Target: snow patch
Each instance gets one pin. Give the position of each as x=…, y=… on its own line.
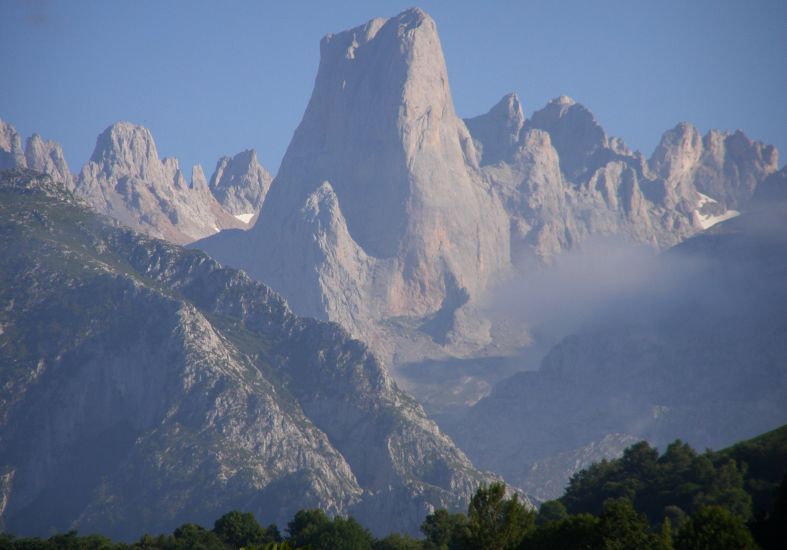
x=245, y=218
x=707, y=221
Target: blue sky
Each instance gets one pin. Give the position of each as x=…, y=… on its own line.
x=213, y=78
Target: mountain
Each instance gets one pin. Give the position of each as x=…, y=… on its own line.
x=126, y=180
x=142, y=385
x=12, y=155
x=395, y=218
x=697, y=352
x=39, y=155
x=563, y=179
x=360, y=223
x=240, y=184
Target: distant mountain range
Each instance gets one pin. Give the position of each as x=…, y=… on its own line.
x=126, y=180
x=396, y=219
x=390, y=213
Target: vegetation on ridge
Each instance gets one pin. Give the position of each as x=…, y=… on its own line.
x=679, y=500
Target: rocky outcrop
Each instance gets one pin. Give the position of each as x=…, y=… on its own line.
x=726, y=167
x=126, y=180
x=496, y=134
x=579, y=140
x=546, y=479
x=381, y=129
x=47, y=156
x=563, y=179
x=240, y=184
x=11, y=153
x=134, y=371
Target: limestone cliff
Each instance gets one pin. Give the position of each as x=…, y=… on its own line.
x=135, y=371
x=240, y=184
x=403, y=178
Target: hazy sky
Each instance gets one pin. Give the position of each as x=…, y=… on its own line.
x=213, y=78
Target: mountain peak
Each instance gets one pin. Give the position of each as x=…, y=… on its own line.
x=563, y=100
x=678, y=152
x=240, y=184
x=381, y=127
x=383, y=83
x=47, y=156
x=198, y=180
x=496, y=133
x=11, y=153
x=578, y=138
x=126, y=147
x=406, y=25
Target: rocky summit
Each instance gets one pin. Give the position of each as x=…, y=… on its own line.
x=126, y=177
x=240, y=184
x=126, y=180
x=143, y=386
x=562, y=179
x=395, y=218
x=361, y=221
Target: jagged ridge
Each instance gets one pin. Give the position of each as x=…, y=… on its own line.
x=135, y=371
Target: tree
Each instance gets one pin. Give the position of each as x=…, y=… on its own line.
x=444, y=531
x=396, y=541
x=194, y=537
x=577, y=532
x=306, y=522
x=622, y=527
x=551, y=510
x=665, y=535
x=314, y=528
x=726, y=490
x=712, y=528
x=241, y=529
x=770, y=529
x=494, y=522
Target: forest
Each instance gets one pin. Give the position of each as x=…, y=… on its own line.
x=680, y=499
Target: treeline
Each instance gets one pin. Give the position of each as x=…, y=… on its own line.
x=682, y=500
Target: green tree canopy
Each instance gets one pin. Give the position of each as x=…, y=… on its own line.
x=241, y=529
x=314, y=528
x=494, y=522
x=444, y=531
x=713, y=528
x=551, y=510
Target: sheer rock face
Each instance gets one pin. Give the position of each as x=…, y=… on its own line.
x=47, y=156
x=126, y=180
x=133, y=370
x=240, y=184
x=381, y=129
x=319, y=253
x=11, y=153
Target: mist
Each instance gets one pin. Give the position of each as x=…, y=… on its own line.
x=605, y=280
